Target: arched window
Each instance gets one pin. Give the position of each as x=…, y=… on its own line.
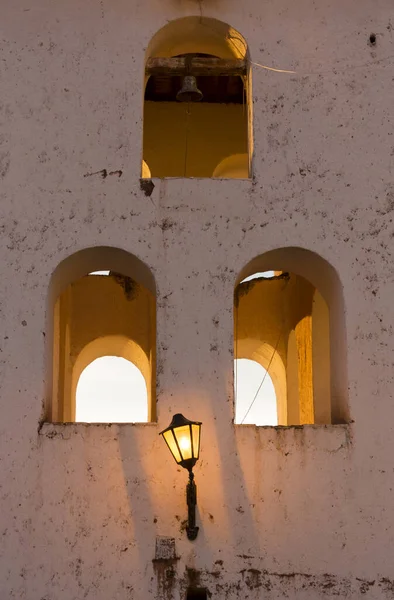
x=102, y=302
x=255, y=396
x=111, y=388
x=289, y=317
x=197, y=109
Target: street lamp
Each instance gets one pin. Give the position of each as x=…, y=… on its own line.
x=183, y=439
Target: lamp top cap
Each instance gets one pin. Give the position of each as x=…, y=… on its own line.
x=179, y=420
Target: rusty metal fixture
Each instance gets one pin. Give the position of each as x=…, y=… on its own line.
x=189, y=91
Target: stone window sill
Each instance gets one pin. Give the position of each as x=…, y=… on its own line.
x=53, y=430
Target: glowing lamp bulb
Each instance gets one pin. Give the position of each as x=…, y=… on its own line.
x=184, y=444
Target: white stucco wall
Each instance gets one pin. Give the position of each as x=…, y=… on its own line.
x=301, y=513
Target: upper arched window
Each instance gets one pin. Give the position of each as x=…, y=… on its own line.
x=102, y=304
x=197, y=110
x=289, y=318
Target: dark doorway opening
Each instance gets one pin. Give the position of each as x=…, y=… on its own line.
x=196, y=594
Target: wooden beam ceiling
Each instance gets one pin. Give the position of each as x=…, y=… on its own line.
x=196, y=66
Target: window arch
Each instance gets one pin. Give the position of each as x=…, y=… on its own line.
x=297, y=315
x=232, y=167
x=112, y=313
x=111, y=388
x=191, y=134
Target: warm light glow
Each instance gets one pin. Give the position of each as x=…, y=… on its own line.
x=196, y=440
x=184, y=444
x=183, y=437
x=169, y=438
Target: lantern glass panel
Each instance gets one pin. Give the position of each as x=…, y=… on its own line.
x=196, y=440
x=170, y=439
x=183, y=436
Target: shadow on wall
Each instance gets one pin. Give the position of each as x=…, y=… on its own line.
x=193, y=133
x=293, y=324
x=89, y=317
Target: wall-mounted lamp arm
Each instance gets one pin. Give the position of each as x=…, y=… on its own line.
x=191, y=499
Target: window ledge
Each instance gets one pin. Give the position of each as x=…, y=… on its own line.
x=66, y=430
x=185, y=178
x=302, y=427
x=322, y=438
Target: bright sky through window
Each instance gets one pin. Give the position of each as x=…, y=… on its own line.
x=99, y=273
x=111, y=390
x=248, y=375
x=265, y=275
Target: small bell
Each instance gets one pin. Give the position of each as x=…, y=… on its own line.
x=189, y=91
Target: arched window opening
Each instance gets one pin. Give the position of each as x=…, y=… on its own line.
x=255, y=397
x=111, y=389
x=102, y=302
x=291, y=323
x=197, y=108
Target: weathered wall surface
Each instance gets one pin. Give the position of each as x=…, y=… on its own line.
x=299, y=513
